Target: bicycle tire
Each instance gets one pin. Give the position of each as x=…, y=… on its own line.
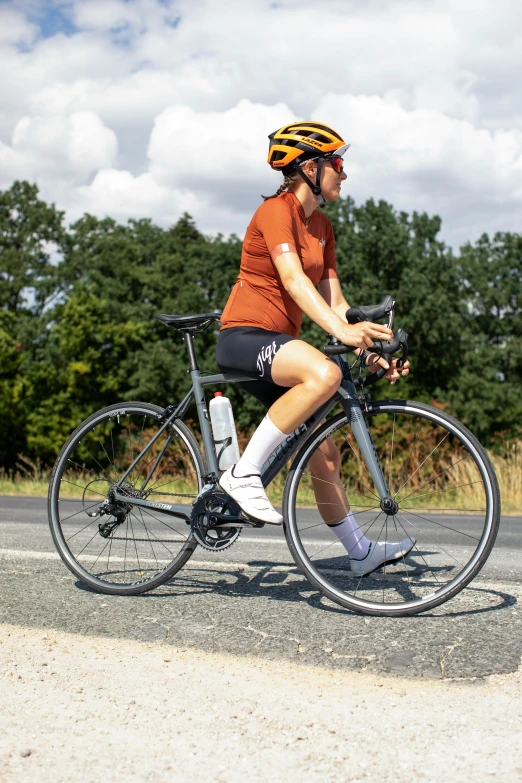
x=56, y=496
x=457, y=435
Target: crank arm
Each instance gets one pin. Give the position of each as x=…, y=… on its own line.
x=239, y=523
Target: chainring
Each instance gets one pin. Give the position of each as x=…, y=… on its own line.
x=210, y=507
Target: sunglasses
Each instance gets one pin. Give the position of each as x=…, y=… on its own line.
x=337, y=164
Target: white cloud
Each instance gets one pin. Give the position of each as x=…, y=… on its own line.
x=425, y=160
x=152, y=107
x=15, y=28
x=203, y=150
x=65, y=147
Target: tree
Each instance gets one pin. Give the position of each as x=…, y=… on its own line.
x=78, y=305
x=30, y=231
x=486, y=393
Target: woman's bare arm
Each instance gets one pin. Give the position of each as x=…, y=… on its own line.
x=311, y=302
x=330, y=290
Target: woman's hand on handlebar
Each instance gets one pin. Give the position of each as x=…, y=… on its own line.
x=363, y=334
x=393, y=371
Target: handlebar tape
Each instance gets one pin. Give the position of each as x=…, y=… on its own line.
x=371, y=312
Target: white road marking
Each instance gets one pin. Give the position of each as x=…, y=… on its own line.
x=30, y=554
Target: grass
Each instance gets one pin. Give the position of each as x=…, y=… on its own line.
x=30, y=480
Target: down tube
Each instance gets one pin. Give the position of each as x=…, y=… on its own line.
x=362, y=435
x=286, y=450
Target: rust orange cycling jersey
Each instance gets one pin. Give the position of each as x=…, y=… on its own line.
x=258, y=297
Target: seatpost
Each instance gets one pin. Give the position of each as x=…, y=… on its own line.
x=189, y=345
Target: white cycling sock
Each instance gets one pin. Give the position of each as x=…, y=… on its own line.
x=351, y=537
x=261, y=445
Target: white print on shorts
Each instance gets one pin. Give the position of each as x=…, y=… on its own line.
x=266, y=354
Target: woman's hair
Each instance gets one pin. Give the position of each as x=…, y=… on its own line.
x=290, y=180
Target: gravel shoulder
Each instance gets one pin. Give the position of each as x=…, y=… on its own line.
x=81, y=708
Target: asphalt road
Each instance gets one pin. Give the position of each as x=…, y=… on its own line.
x=252, y=600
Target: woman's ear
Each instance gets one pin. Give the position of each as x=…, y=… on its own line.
x=310, y=167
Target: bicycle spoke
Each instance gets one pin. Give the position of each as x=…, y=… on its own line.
x=407, y=459
x=325, y=524
x=162, y=522
x=447, y=527
x=82, y=467
x=135, y=546
x=96, y=533
x=108, y=558
x=363, y=575
x=340, y=539
x=105, y=452
x=422, y=463
x=419, y=552
x=86, y=508
x=434, y=477
x=148, y=536
x=324, y=481
x=96, y=461
x=158, y=540
x=447, y=489
x=89, y=523
x=151, y=541
x=433, y=542
x=85, y=489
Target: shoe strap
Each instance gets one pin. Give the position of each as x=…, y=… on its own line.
x=248, y=475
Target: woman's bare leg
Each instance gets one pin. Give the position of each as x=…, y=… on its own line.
x=328, y=488
x=313, y=379
x=332, y=502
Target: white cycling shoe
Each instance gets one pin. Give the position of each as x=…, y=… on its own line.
x=381, y=553
x=249, y=493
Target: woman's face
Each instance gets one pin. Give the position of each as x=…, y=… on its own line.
x=331, y=182
x=330, y=179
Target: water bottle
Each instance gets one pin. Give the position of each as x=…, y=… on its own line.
x=224, y=431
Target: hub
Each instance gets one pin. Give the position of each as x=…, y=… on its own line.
x=389, y=506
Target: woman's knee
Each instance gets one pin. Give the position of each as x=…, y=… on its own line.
x=326, y=377
x=297, y=362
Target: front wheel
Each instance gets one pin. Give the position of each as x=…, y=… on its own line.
x=447, y=499
x=123, y=548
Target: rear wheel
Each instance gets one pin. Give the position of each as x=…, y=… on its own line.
x=115, y=547
x=447, y=497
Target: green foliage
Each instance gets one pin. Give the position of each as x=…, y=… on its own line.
x=78, y=305
x=487, y=391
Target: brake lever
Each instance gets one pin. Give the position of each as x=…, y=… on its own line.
x=404, y=346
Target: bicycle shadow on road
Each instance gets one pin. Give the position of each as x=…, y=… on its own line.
x=267, y=580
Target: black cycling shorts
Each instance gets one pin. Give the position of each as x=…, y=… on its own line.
x=249, y=350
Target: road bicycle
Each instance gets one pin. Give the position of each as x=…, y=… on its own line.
x=133, y=492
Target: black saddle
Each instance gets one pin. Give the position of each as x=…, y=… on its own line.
x=189, y=323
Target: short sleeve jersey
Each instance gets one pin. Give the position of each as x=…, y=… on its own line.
x=258, y=297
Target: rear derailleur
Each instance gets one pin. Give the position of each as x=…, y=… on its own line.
x=117, y=510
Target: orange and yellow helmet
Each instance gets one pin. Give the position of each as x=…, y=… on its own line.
x=293, y=144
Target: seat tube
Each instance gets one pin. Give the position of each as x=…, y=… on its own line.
x=362, y=435
x=199, y=396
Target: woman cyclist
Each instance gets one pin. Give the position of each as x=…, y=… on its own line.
x=288, y=268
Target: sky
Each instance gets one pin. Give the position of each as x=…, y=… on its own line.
x=152, y=108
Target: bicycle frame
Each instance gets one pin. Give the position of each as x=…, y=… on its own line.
x=346, y=394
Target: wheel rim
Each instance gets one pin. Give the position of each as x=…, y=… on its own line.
x=127, y=545
x=454, y=526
